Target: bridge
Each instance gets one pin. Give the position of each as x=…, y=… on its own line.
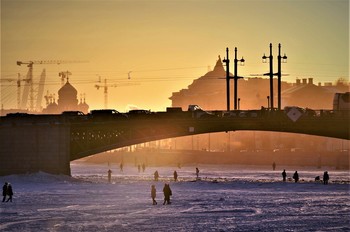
x=31, y=143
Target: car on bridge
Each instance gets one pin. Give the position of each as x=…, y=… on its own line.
x=138, y=113
x=18, y=114
x=73, y=113
x=198, y=112
x=106, y=114
x=74, y=116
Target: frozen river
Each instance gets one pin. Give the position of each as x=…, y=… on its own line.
x=227, y=198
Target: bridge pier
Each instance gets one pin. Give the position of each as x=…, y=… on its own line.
x=33, y=147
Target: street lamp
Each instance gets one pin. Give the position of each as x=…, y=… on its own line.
x=227, y=62
x=270, y=74
x=284, y=58
x=280, y=60
x=242, y=61
x=264, y=58
x=236, y=77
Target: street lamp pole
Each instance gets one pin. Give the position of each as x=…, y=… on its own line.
x=227, y=62
x=236, y=77
x=280, y=59
x=270, y=74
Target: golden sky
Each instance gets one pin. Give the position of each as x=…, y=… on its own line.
x=166, y=44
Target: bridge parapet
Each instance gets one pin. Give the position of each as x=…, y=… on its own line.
x=48, y=143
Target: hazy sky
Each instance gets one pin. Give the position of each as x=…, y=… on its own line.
x=166, y=44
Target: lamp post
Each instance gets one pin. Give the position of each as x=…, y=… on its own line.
x=227, y=62
x=280, y=60
x=264, y=60
x=236, y=77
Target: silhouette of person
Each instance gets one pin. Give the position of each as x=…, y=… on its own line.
x=296, y=176
x=139, y=167
x=156, y=175
x=109, y=175
x=153, y=194
x=121, y=166
x=175, y=175
x=9, y=192
x=143, y=167
x=167, y=193
x=4, y=192
x=273, y=166
x=325, y=177
x=197, y=173
x=284, y=174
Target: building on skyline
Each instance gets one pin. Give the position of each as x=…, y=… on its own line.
x=67, y=101
x=209, y=92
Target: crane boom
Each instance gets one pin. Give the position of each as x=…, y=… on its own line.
x=30, y=63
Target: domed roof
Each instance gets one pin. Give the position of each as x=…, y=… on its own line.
x=83, y=104
x=67, y=89
x=83, y=107
x=218, y=71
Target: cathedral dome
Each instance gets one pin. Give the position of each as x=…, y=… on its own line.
x=67, y=89
x=83, y=107
x=67, y=98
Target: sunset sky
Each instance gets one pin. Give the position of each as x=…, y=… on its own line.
x=167, y=44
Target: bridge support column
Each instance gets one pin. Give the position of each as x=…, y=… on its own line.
x=33, y=148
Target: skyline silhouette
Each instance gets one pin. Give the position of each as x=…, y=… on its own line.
x=164, y=46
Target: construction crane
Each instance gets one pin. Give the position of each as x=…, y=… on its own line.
x=105, y=88
x=18, y=84
x=29, y=89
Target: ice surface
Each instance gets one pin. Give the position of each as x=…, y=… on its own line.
x=226, y=198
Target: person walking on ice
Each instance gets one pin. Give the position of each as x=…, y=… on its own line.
x=4, y=192
x=167, y=193
x=153, y=194
x=156, y=175
x=197, y=173
x=273, y=166
x=9, y=192
x=296, y=176
x=109, y=175
x=284, y=175
x=121, y=166
x=325, y=177
x=175, y=175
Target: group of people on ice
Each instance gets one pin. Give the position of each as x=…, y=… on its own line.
x=166, y=189
x=156, y=175
x=296, y=177
x=167, y=193
x=7, y=191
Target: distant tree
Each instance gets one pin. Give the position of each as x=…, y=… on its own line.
x=341, y=82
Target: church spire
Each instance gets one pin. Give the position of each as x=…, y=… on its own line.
x=218, y=65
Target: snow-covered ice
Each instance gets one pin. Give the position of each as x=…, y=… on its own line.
x=226, y=198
